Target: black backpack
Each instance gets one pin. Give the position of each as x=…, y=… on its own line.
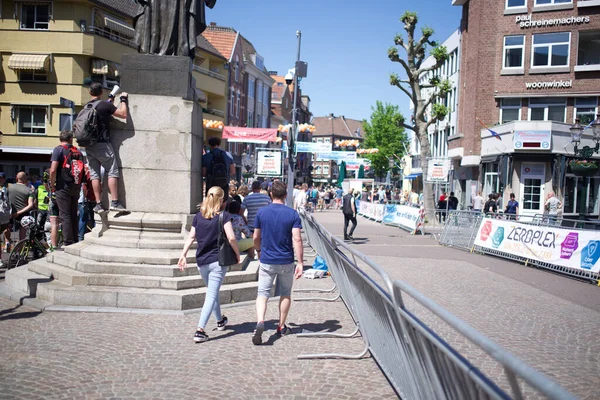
x=85, y=127
x=218, y=170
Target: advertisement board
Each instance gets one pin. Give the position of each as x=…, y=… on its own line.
x=532, y=140
x=268, y=163
x=354, y=165
x=437, y=170
x=310, y=147
x=337, y=156
x=568, y=248
x=406, y=217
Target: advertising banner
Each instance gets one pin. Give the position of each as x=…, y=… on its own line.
x=532, y=140
x=249, y=135
x=268, y=163
x=558, y=246
x=406, y=217
x=337, y=156
x=310, y=147
x=354, y=165
x=438, y=169
x=372, y=211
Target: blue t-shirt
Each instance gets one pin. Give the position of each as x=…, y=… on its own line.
x=511, y=207
x=339, y=193
x=207, y=234
x=276, y=222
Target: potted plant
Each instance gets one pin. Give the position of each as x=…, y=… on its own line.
x=583, y=167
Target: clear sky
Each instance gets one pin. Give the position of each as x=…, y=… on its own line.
x=344, y=42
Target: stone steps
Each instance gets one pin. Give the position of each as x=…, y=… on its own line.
x=74, y=277
x=126, y=255
x=131, y=241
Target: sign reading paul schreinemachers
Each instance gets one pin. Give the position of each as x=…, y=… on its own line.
x=526, y=21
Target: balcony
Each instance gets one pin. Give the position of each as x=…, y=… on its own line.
x=588, y=56
x=209, y=81
x=105, y=33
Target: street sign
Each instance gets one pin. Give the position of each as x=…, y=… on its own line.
x=67, y=103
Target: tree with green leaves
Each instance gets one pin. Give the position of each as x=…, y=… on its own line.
x=385, y=132
x=427, y=109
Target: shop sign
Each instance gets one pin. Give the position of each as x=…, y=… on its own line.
x=557, y=246
x=533, y=170
x=549, y=85
x=532, y=140
x=437, y=169
x=268, y=163
x=526, y=21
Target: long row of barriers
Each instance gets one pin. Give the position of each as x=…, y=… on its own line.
x=569, y=247
x=416, y=360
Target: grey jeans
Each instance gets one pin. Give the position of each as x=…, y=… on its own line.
x=213, y=275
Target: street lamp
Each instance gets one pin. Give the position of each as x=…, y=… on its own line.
x=576, y=133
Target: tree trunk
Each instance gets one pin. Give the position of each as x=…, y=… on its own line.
x=428, y=200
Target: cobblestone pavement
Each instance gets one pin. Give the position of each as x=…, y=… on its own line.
x=549, y=321
x=55, y=355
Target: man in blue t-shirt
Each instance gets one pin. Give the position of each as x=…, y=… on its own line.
x=276, y=238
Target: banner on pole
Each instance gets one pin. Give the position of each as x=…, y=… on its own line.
x=336, y=156
x=268, y=163
x=576, y=249
x=310, y=147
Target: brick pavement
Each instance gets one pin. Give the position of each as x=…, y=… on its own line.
x=54, y=355
x=549, y=321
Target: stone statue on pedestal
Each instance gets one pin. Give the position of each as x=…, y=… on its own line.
x=169, y=27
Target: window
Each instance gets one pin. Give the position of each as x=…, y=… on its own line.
x=265, y=122
x=581, y=195
x=237, y=68
x=551, y=49
x=30, y=75
x=327, y=140
x=260, y=62
x=65, y=122
x=589, y=48
x=585, y=109
x=231, y=102
x=258, y=119
x=266, y=94
x=237, y=104
x=259, y=92
x=251, y=83
x=544, y=2
x=35, y=16
x=250, y=122
x=547, y=109
x=532, y=194
x=492, y=181
x=31, y=120
x=326, y=170
x=515, y=3
x=513, y=51
x=106, y=81
x=510, y=110
x=318, y=170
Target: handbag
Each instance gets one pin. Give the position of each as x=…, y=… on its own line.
x=227, y=256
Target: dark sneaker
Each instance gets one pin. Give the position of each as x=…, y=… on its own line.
x=99, y=209
x=350, y=237
x=257, y=337
x=117, y=206
x=200, y=337
x=283, y=330
x=222, y=324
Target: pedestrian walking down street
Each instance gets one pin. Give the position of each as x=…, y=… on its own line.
x=512, y=207
x=205, y=230
x=277, y=238
x=349, y=211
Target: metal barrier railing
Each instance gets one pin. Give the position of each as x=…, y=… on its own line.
x=418, y=363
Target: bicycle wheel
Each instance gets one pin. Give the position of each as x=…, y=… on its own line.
x=20, y=254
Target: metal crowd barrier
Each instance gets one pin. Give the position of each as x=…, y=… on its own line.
x=418, y=363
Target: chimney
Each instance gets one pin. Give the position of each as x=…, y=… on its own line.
x=213, y=24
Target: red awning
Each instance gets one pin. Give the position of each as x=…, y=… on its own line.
x=249, y=135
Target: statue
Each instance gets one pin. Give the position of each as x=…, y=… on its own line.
x=169, y=27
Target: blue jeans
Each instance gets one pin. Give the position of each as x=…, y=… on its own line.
x=213, y=275
x=82, y=220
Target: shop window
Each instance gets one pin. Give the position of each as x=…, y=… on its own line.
x=31, y=120
x=30, y=75
x=581, y=195
x=510, y=110
x=589, y=48
x=586, y=109
x=547, y=109
x=35, y=16
x=551, y=49
x=514, y=46
x=515, y=3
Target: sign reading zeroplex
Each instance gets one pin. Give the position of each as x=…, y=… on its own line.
x=268, y=163
x=438, y=169
x=558, y=246
x=310, y=147
x=337, y=156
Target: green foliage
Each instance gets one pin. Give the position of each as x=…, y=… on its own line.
x=394, y=79
x=393, y=53
x=409, y=17
x=427, y=31
x=439, y=111
x=440, y=53
x=444, y=87
x=384, y=131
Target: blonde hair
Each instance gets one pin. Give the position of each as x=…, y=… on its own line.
x=212, y=203
x=243, y=190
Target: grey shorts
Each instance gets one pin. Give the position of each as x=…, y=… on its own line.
x=267, y=274
x=100, y=155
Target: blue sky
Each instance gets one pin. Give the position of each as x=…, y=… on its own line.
x=345, y=43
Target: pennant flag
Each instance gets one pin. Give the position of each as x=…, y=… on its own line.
x=494, y=134
x=588, y=126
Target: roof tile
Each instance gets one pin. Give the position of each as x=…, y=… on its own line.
x=221, y=38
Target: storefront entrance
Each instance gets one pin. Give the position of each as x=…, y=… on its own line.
x=532, y=188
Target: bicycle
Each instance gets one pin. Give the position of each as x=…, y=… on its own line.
x=29, y=249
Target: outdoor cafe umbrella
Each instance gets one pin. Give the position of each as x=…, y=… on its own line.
x=361, y=172
x=342, y=174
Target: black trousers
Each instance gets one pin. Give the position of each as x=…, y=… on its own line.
x=349, y=218
x=66, y=200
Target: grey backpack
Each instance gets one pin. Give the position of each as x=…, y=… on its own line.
x=85, y=127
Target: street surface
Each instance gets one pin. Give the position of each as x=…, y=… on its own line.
x=549, y=321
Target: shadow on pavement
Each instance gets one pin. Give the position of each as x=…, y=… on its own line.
x=11, y=313
x=331, y=325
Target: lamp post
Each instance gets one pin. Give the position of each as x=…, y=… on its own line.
x=576, y=133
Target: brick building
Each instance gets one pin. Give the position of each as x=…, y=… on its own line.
x=528, y=68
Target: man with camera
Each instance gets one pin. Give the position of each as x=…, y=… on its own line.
x=101, y=154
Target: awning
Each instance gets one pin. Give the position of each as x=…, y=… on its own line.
x=249, y=135
x=119, y=26
x=104, y=67
x=413, y=176
x=37, y=62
